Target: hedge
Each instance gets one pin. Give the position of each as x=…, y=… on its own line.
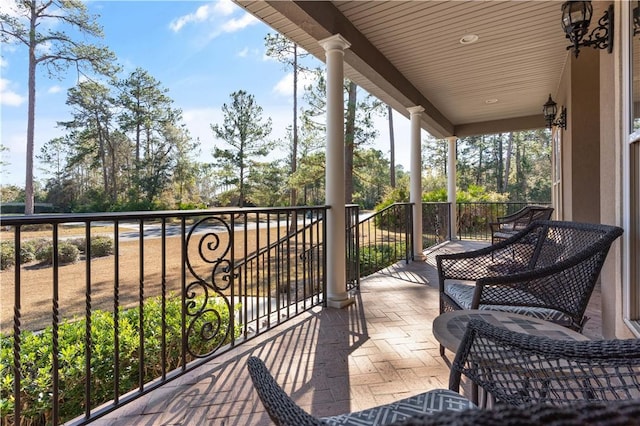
x=37, y=352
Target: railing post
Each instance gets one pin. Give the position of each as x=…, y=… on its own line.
x=409, y=239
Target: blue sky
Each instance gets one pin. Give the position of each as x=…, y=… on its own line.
x=200, y=51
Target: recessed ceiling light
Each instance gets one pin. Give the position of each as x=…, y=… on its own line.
x=468, y=39
x=491, y=101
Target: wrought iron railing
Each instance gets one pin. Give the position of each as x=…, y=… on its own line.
x=352, y=236
x=436, y=223
x=385, y=237
x=107, y=307
x=170, y=291
x=473, y=218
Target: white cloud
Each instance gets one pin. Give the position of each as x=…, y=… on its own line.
x=3, y=63
x=203, y=13
x=8, y=96
x=284, y=87
x=225, y=7
x=218, y=13
x=9, y=7
x=54, y=89
x=233, y=25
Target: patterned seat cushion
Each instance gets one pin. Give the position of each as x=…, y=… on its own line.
x=462, y=294
x=425, y=403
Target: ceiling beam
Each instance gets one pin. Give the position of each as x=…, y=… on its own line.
x=500, y=126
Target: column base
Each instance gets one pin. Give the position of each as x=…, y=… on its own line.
x=340, y=303
x=420, y=257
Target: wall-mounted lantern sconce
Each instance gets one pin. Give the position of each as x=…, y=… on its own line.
x=550, y=110
x=576, y=17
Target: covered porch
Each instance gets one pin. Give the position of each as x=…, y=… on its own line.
x=379, y=349
x=464, y=68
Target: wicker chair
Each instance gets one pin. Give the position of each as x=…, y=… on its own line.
x=514, y=368
x=507, y=226
x=283, y=411
x=618, y=413
x=548, y=270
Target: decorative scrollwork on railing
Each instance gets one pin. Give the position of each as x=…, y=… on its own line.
x=209, y=319
x=209, y=311
x=212, y=237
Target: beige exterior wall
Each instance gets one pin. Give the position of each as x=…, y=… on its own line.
x=592, y=161
x=580, y=93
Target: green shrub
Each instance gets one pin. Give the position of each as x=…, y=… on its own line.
x=191, y=206
x=376, y=257
x=7, y=255
x=101, y=246
x=67, y=253
x=29, y=248
x=36, y=357
x=44, y=253
x=79, y=243
x=27, y=254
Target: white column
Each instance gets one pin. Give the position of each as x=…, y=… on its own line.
x=415, y=179
x=451, y=184
x=337, y=296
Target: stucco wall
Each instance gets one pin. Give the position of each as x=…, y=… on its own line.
x=592, y=163
x=579, y=91
x=584, y=112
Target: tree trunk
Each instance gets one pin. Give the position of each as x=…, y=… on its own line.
x=294, y=149
x=114, y=173
x=480, y=161
x=392, y=150
x=31, y=115
x=507, y=163
x=500, y=173
x=348, y=143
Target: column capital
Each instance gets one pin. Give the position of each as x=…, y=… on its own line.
x=334, y=42
x=452, y=138
x=415, y=110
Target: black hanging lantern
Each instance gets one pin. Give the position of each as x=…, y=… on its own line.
x=576, y=18
x=550, y=110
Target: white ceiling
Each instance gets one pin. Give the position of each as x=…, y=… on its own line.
x=408, y=53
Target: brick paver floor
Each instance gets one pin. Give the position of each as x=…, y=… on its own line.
x=376, y=350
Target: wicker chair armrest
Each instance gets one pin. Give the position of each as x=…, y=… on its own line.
x=487, y=289
x=612, y=350
x=592, y=413
x=517, y=368
x=494, y=226
x=467, y=265
x=280, y=407
x=524, y=275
